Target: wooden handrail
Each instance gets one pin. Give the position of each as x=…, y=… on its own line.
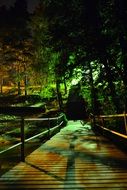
x=111, y=116
x=23, y=140
x=103, y=117
x=114, y=132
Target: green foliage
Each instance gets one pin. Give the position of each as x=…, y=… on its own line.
x=79, y=41
x=48, y=92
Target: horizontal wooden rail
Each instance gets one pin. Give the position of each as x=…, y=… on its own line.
x=102, y=118
x=32, y=119
x=110, y=116
x=114, y=132
x=44, y=132
x=23, y=140
x=11, y=147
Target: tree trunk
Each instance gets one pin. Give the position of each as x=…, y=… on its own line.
x=94, y=101
x=123, y=44
x=121, y=13
x=65, y=86
x=19, y=88
x=111, y=85
x=25, y=83
x=59, y=96
x=1, y=86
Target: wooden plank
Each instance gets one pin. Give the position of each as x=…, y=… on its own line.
x=75, y=158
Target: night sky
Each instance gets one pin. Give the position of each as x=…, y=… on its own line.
x=31, y=3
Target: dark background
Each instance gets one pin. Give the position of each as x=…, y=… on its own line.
x=31, y=4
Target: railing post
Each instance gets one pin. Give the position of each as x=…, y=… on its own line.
x=125, y=122
x=57, y=122
x=48, y=128
x=22, y=141
x=93, y=121
x=103, y=125
x=102, y=121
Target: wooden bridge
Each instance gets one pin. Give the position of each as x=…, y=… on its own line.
x=75, y=158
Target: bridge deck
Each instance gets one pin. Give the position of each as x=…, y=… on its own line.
x=75, y=158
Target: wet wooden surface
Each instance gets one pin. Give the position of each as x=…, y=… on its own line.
x=75, y=158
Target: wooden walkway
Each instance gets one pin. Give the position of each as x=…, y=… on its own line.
x=75, y=158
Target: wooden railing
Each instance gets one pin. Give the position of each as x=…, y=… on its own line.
x=59, y=121
x=99, y=120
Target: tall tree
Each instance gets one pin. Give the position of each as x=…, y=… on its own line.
x=88, y=29
x=15, y=37
x=121, y=16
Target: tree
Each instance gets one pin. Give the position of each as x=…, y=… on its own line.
x=121, y=29
x=89, y=31
x=16, y=41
